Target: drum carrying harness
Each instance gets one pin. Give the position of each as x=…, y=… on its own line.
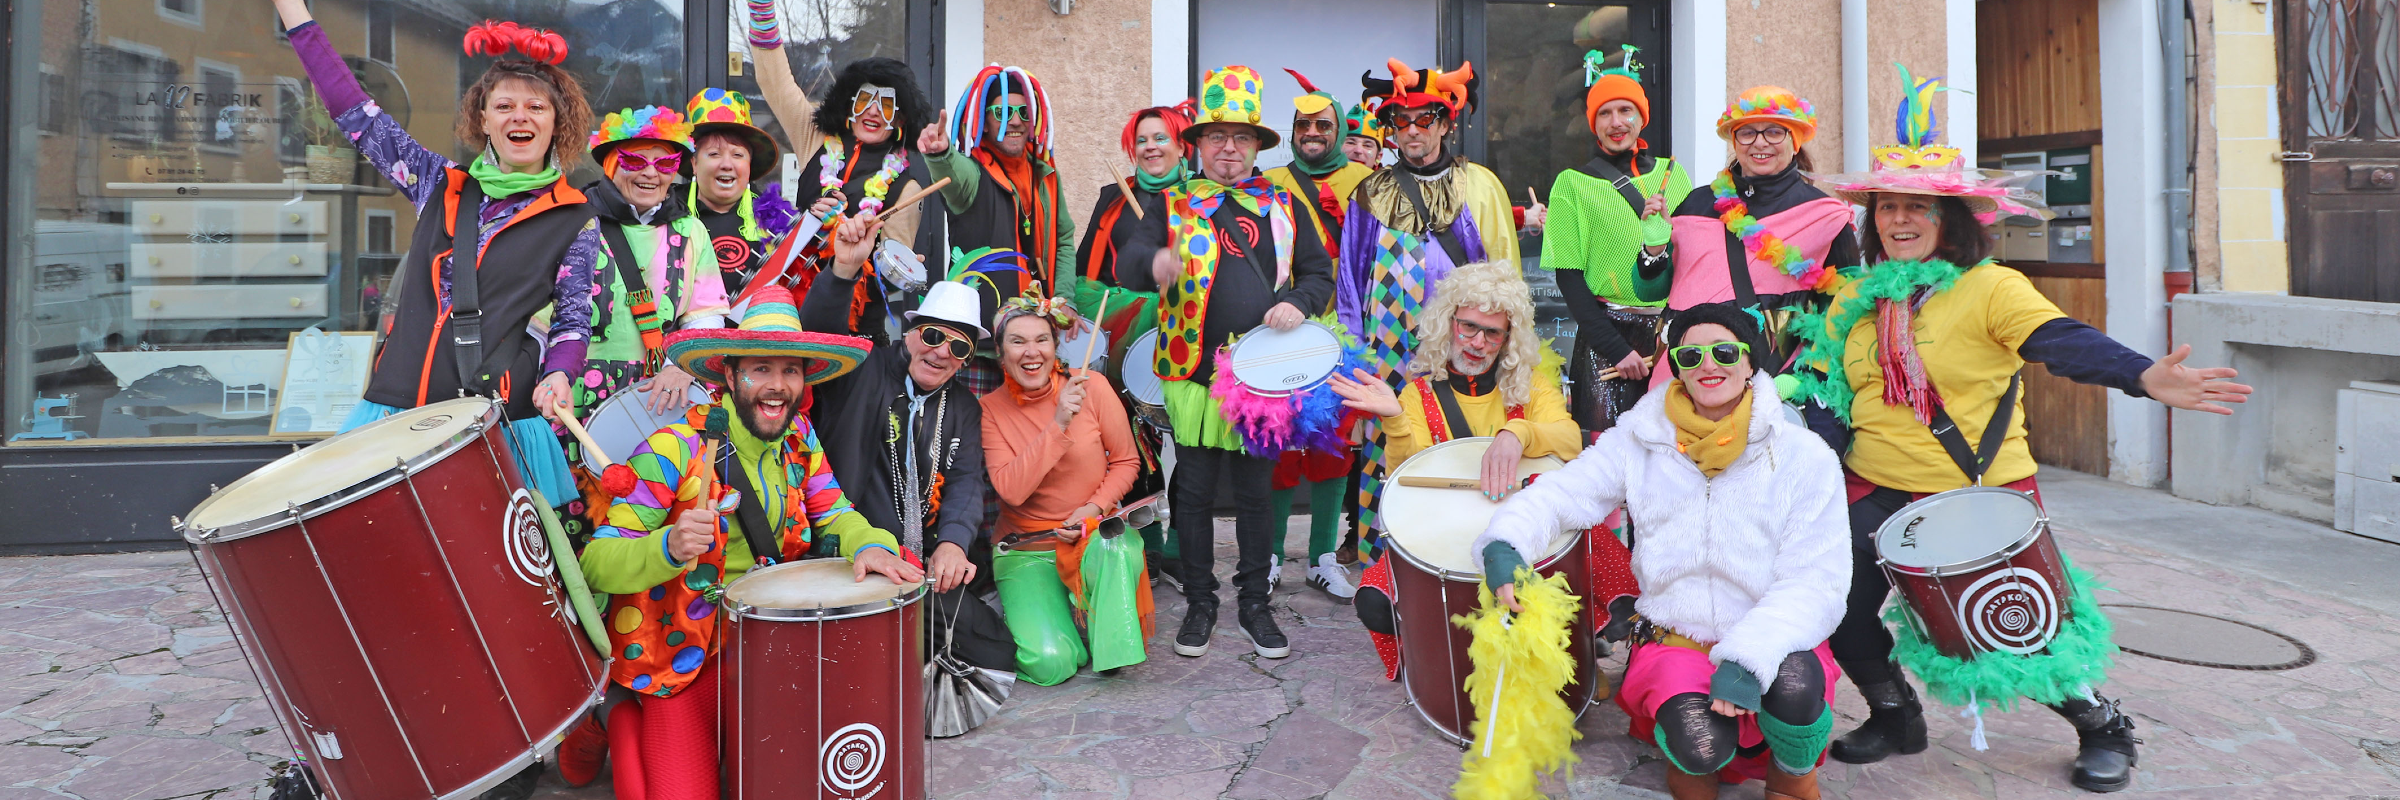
x=1974, y=462
x=753, y=515
x=638, y=297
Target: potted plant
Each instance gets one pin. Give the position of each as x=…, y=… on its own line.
x=331, y=159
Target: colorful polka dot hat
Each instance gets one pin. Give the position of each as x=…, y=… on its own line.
x=648, y=123
x=1361, y=121
x=771, y=327
x=715, y=109
x=1770, y=103
x=1231, y=95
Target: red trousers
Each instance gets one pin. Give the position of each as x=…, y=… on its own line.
x=665, y=748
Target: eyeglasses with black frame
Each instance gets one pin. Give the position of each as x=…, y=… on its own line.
x=935, y=335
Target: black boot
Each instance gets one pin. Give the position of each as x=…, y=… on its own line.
x=2104, y=762
x=1895, y=724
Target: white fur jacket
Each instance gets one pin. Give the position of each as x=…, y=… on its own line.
x=1756, y=559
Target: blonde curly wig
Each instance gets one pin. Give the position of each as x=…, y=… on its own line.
x=1492, y=287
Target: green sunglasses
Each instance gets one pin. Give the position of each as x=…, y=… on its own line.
x=1726, y=354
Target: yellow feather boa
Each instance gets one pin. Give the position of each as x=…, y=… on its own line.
x=1525, y=661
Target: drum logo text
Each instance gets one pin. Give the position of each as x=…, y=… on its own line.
x=1908, y=535
x=527, y=545
x=430, y=423
x=850, y=759
x=2012, y=610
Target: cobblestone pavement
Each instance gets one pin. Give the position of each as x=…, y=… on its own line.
x=119, y=680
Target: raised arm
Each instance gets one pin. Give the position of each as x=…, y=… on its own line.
x=789, y=102
x=414, y=170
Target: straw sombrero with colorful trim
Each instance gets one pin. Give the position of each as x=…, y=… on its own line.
x=770, y=328
x=1918, y=164
x=720, y=109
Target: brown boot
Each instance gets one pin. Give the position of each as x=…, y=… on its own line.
x=1682, y=786
x=1786, y=786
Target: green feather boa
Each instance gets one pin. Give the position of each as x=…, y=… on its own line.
x=2076, y=662
x=1828, y=381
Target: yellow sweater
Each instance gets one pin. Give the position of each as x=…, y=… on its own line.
x=1546, y=429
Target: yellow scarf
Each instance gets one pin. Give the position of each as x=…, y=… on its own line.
x=1711, y=445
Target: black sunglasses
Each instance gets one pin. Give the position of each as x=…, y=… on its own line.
x=935, y=335
x=1726, y=354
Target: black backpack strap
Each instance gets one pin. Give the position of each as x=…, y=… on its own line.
x=1457, y=422
x=1316, y=199
x=1977, y=461
x=1607, y=172
x=466, y=304
x=620, y=251
x=752, y=515
x=1445, y=233
x=1737, y=264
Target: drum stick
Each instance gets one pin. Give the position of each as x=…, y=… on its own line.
x=566, y=417
x=911, y=199
x=1119, y=175
x=1093, y=346
x=1431, y=482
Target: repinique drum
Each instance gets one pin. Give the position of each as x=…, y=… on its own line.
x=1142, y=385
x=1272, y=363
x=393, y=587
x=622, y=422
x=1430, y=531
x=820, y=690
x=899, y=267
x=1978, y=569
x=1075, y=350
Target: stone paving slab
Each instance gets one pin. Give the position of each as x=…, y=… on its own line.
x=119, y=680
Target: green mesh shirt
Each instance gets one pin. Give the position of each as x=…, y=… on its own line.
x=1593, y=229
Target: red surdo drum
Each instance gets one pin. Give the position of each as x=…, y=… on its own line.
x=1978, y=570
x=1432, y=511
x=821, y=689
x=393, y=587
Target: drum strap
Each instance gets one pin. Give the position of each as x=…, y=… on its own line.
x=1448, y=398
x=1443, y=232
x=466, y=304
x=1976, y=461
x=1737, y=266
x=749, y=511
x=637, y=296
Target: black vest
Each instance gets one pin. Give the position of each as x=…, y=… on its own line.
x=416, y=365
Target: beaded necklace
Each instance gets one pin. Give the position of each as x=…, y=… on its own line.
x=831, y=175
x=1761, y=243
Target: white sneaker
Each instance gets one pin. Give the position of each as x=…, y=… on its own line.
x=1275, y=575
x=1331, y=577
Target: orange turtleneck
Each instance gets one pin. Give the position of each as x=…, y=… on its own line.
x=1042, y=472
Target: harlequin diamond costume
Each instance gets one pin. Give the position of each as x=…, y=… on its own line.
x=1410, y=225
x=1613, y=260
x=776, y=498
x=1911, y=347
x=1741, y=566
x=1239, y=252
x=655, y=277
x=1789, y=236
x=743, y=232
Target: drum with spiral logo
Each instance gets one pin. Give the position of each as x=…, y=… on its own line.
x=1978, y=570
x=394, y=588
x=821, y=685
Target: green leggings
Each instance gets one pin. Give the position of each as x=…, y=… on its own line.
x=1324, y=516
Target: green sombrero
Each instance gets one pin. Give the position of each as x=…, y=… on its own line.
x=771, y=327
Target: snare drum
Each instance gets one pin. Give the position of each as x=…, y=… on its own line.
x=622, y=422
x=1073, y=350
x=1435, y=576
x=1139, y=376
x=1978, y=570
x=1273, y=363
x=393, y=587
x=899, y=267
x=821, y=687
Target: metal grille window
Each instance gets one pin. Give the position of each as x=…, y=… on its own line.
x=2352, y=51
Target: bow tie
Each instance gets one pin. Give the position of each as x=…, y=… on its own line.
x=1208, y=194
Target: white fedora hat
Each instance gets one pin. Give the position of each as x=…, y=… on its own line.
x=952, y=302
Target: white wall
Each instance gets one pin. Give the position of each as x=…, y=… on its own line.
x=1170, y=51
x=1330, y=41
x=962, y=57
x=2132, y=126
x=1698, y=80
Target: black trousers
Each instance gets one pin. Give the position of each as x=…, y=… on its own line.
x=1861, y=644
x=1202, y=475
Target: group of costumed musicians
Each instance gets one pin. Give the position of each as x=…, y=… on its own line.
x=957, y=438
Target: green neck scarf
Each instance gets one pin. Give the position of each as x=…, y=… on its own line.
x=498, y=182
x=1177, y=175
x=1334, y=158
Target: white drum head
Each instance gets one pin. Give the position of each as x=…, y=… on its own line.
x=1139, y=375
x=1271, y=361
x=818, y=583
x=1956, y=527
x=1439, y=526
x=1071, y=350
x=899, y=266
x=330, y=466
x=623, y=422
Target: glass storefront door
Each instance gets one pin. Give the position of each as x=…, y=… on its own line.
x=195, y=252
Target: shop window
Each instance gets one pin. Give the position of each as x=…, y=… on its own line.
x=821, y=36
x=200, y=223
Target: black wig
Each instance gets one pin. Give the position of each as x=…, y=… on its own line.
x=833, y=110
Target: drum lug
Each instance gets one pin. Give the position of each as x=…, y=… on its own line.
x=400, y=464
x=291, y=510
x=329, y=746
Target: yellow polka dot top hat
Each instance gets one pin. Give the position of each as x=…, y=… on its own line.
x=1231, y=95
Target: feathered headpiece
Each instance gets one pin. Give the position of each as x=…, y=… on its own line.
x=493, y=39
x=1409, y=88
x=1917, y=165
x=1915, y=129
x=994, y=83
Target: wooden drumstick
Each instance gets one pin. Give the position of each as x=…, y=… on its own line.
x=1431, y=482
x=1093, y=346
x=912, y=199
x=566, y=417
x=1122, y=186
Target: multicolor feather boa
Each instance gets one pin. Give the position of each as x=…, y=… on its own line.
x=1762, y=243
x=1827, y=344
x=1309, y=419
x=1523, y=661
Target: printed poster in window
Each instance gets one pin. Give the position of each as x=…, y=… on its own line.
x=323, y=377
